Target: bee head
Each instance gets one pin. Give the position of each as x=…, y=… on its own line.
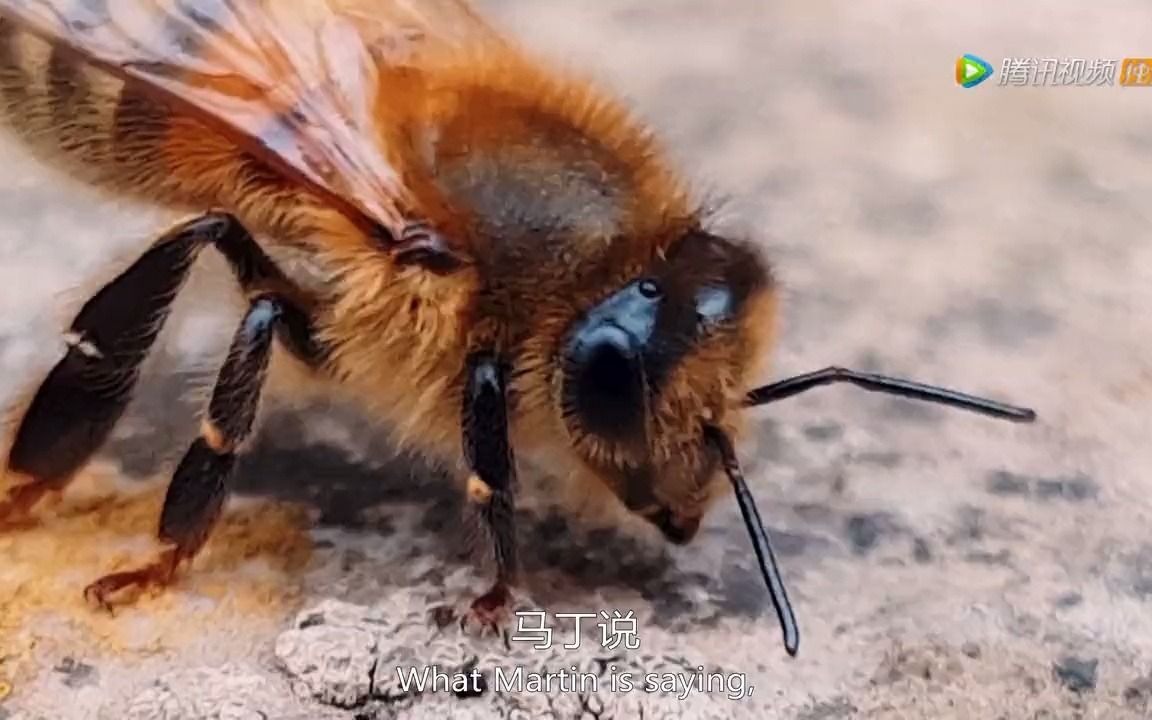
x=654, y=362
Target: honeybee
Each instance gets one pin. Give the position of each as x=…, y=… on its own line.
x=509, y=265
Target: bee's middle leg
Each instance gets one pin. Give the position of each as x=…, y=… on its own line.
x=85, y=394
x=199, y=486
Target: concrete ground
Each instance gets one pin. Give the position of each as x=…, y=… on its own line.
x=943, y=565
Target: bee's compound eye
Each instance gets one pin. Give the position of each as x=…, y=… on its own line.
x=650, y=289
x=605, y=381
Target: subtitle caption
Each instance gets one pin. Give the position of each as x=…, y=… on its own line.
x=617, y=631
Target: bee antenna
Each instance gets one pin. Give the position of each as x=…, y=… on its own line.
x=769, y=568
x=893, y=386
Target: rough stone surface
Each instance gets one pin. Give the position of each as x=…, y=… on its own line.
x=331, y=663
x=996, y=240
x=223, y=693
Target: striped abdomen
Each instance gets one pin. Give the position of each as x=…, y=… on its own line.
x=68, y=110
x=117, y=135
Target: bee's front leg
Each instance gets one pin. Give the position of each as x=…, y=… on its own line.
x=492, y=483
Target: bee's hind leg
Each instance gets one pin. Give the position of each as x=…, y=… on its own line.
x=77, y=405
x=200, y=484
x=84, y=395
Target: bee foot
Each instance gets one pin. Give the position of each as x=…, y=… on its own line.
x=16, y=508
x=489, y=614
x=158, y=574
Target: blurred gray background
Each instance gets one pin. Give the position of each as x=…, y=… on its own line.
x=995, y=240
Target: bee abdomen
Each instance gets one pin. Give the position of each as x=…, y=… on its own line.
x=115, y=134
x=70, y=111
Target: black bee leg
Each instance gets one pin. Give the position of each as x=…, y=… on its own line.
x=84, y=395
x=200, y=484
x=491, y=486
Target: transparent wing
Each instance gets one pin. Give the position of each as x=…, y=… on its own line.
x=295, y=80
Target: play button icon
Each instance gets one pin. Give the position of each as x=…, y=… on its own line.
x=971, y=71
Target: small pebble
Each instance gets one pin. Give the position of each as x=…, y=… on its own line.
x=1068, y=600
x=1076, y=674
